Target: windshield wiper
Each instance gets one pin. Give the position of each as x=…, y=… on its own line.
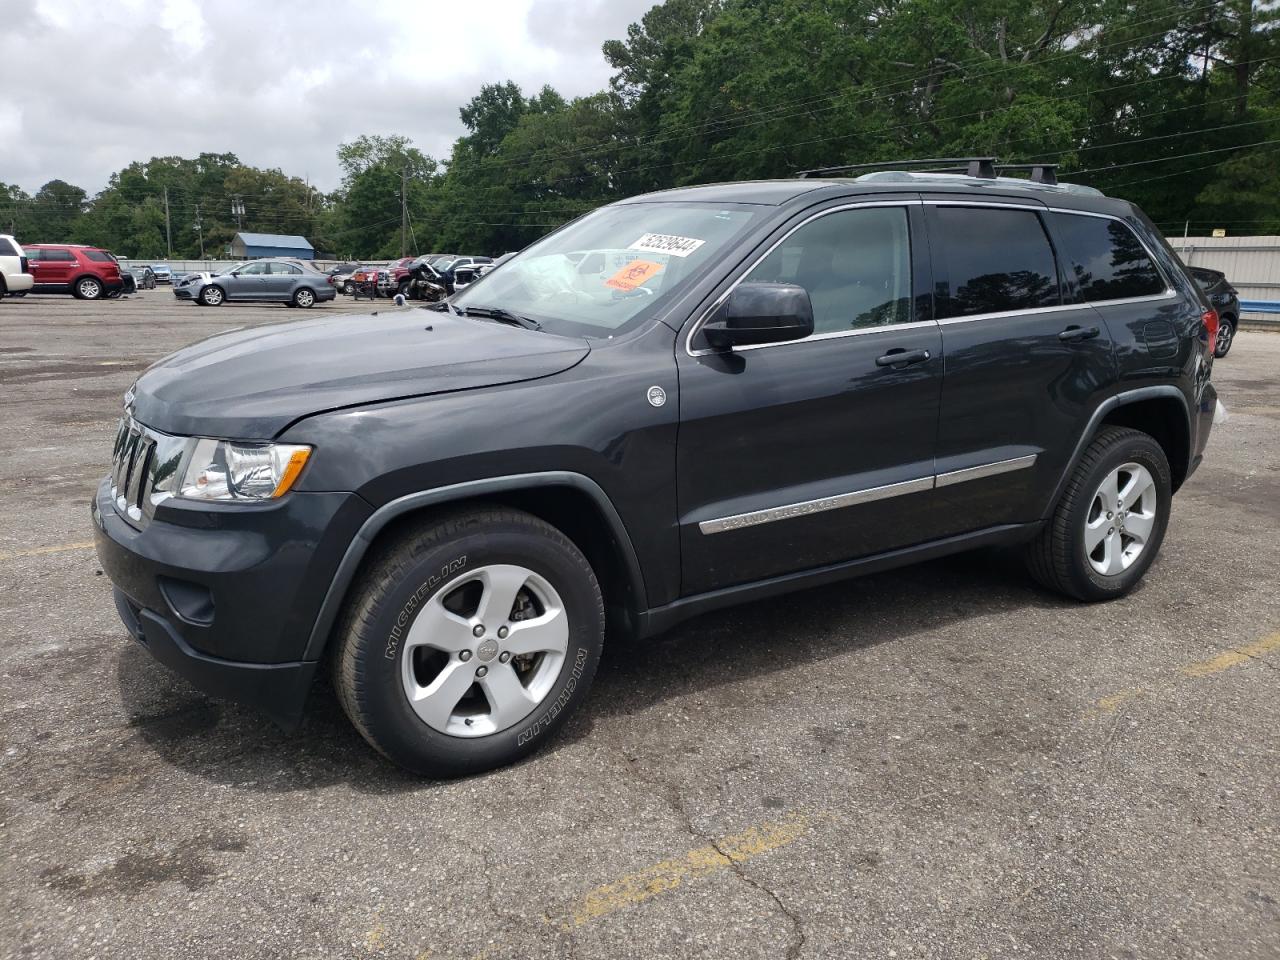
x=502, y=316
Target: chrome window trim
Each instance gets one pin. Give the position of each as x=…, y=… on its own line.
x=806, y=508
x=832, y=335
x=985, y=470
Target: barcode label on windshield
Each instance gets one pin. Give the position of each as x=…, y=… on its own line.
x=666, y=243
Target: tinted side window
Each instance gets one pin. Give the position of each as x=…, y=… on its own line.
x=99, y=256
x=7, y=249
x=855, y=265
x=62, y=255
x=988, y=261
x=1106, y=257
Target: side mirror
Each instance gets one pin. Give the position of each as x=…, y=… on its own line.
x=760, y=313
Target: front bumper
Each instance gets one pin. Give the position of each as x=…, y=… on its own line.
x=186, y=293
x=226, y=595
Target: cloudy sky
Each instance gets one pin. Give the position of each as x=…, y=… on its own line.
x=279, y=83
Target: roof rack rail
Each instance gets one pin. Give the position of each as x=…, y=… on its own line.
x=983, y=167
x=1046, y=173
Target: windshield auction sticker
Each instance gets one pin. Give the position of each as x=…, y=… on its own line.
x=665, y=243
x=634, y=274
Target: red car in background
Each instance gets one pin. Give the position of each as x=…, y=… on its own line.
x=87, y=273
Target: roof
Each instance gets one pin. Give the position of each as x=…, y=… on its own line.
x=777, y=192
x=274, y=240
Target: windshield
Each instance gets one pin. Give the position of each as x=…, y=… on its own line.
x=612, y=268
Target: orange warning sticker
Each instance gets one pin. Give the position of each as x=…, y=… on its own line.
x=634, y=274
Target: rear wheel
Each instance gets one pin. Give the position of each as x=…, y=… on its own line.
x=212, y=296
x=349, y=288
x=1111, y=520
x=471, y=638
x=304, y=297
x=1226, y=335
x=88, y=288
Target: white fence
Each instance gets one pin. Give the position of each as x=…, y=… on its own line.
x=1252, y=265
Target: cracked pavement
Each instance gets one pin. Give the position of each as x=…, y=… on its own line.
x=940, y=761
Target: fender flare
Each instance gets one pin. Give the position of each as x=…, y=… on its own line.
x=1124, y=398
x=382, y=516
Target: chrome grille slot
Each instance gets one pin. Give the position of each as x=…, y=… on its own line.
x=136, y=460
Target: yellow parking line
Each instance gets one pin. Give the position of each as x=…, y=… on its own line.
x=42, y=551
x=1205, y=668
x=652, y=881
x=1233, y=657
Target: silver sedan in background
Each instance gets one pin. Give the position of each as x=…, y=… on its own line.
x=294, y=283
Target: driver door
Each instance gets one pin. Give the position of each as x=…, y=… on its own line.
x=797, y=455
x=248, y=282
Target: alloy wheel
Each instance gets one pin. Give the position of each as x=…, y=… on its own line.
x=1225, y=333
x=1121, y=519
x=90, y=289
x=485, y=650
x=304, y=298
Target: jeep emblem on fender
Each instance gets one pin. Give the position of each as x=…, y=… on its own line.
x=657, y=396
x=487, y=650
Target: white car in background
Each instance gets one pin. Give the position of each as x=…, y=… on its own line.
x=14, y=275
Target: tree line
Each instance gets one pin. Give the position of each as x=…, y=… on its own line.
x=1174, y=104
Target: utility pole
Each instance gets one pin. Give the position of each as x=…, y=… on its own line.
x=237, y=210
x=404, y=211
x=168, y=234
x=200, y=231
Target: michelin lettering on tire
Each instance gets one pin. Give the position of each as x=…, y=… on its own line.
x=405, y=616
x=544, y=721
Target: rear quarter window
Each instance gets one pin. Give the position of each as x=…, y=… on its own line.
x=98, y=256
x=7, y=249
x=1106, y=258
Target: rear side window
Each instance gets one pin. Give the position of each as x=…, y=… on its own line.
x=99, y=256
x=7, y=249
x=990, y=261
x=1107, y=258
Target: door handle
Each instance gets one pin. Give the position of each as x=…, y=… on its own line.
x=1074, y=334
x=901, y=358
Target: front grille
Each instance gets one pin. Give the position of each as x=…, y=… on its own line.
x=142, y=461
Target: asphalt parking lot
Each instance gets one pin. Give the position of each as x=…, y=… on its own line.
x=943, y=761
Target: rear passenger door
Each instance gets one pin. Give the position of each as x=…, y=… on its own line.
x=1024, y=367
x=280, y=280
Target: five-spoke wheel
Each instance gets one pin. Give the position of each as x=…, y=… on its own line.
x=470, y=639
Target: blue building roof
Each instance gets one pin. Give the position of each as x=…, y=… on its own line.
x=274, y=240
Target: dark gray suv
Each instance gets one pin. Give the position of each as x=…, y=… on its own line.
x=294, y=283
x=682, y=401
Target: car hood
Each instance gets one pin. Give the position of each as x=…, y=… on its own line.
x=251, y=384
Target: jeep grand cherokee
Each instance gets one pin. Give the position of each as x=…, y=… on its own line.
x=681, y=401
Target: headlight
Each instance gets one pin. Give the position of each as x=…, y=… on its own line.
x=225, y=470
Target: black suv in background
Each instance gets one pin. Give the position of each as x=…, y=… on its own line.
x=1224, y=298
x=678, y=402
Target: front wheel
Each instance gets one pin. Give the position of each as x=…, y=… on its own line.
x=1108, y=526
x=1226, y=334
x=470, y=640
x=212, y=296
